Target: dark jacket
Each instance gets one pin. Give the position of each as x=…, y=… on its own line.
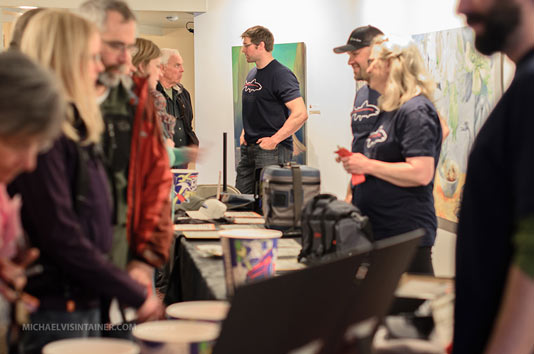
x=180, y=107
x=73, y=237
x=138, y=166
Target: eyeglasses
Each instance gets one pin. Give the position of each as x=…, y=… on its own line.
x=121, y=47
x=247, y=45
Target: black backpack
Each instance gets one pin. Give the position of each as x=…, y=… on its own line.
x=331, y=227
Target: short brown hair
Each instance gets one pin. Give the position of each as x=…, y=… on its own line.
x=147, y=50
x=258, y=34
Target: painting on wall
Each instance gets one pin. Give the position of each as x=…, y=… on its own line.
x=468, y=87
x=292, y=55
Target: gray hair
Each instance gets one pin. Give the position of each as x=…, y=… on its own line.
x=96, y=11
x=167, y=53
x=32, y=101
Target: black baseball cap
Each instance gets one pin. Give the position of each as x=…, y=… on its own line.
x=359, y=38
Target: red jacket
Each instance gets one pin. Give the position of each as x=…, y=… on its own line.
x=149, y=224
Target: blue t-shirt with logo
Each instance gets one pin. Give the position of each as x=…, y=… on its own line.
x=265, y=93
x=410, y=131
x=363, y=116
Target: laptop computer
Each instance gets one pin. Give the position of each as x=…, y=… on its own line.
x=289, y=311
x=321, y=308
x=370, y=298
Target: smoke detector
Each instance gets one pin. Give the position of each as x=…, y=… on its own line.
x=172, y=18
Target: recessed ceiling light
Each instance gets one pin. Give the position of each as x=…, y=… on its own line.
x=172, y=18
x=27, y=7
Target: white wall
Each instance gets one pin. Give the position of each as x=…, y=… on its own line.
x=183, y=41
x=322, y=25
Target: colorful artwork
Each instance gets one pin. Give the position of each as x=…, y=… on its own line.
x=468, y=86
x=292, y=55
x=184, y=182
x=248, y=260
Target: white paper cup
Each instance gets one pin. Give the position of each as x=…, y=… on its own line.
x=176, y=337
x=211, y=311
x=184, y=183
x=248, y=255
x=91, y=346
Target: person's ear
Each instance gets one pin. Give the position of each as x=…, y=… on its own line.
x=262, y=45
x=141, y=69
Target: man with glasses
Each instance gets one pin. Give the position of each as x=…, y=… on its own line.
x=134, y=152
x=177, y=97
x=273, y=109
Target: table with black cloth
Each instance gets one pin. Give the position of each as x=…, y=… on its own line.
x=194, y=275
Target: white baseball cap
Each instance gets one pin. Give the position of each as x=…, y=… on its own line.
x=210, y=209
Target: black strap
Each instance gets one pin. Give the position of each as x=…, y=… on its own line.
x=297, y=194
x=81, y=179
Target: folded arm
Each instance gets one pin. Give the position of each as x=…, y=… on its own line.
x=296, y=119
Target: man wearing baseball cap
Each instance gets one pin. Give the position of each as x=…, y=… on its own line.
x=365, y=110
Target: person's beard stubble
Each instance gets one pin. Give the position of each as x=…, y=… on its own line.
x=500, y=22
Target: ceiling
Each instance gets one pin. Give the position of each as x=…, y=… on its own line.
x=155, y=20
x=159, y=19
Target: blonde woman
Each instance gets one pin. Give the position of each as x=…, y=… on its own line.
x=401, y=153
x=147, y=62
x=66, y=203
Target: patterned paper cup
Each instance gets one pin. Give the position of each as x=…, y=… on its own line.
x=184, y=182
x=91, y=346
x=248, y=255
x=211, y=311
x=176, y=337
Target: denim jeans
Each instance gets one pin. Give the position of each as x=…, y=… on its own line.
x=252, y=158
x=49, y=326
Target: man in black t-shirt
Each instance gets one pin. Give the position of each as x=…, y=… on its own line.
x=494, y=310
x=365, y=109
x=273, y=109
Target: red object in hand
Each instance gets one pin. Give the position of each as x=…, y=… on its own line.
x=356, y=179
x=342, y=152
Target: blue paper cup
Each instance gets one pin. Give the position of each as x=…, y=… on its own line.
x=248, y=255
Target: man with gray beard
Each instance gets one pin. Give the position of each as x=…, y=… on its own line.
x=134, y=152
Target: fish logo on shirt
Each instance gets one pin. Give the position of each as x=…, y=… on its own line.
x=378, y=136
x=364, y=111
x=252, y=86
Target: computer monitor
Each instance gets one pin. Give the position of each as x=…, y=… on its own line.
x=371, y=297
x=289, y=311
x=325, y=308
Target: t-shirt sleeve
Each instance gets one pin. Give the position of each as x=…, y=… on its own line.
x=419, y=131
x=524, y=245
x=286, y=85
